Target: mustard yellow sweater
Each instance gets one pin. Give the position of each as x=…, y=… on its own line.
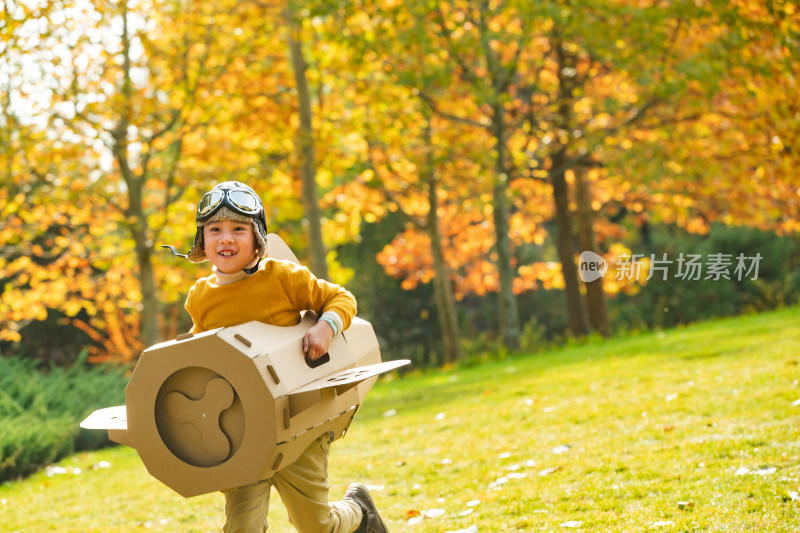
x=276, y=294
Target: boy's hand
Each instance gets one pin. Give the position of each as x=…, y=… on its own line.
x=317, y=340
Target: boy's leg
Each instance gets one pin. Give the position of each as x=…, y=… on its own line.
x=246, y=508
x=303, y=487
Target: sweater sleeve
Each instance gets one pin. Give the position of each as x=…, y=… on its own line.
x=321, y=296
x=190, y=307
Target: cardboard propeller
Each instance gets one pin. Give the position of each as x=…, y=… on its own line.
x=231, y=406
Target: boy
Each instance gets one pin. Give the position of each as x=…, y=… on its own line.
x=246, y=285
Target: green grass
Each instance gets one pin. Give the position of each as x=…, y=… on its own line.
x=686, y=430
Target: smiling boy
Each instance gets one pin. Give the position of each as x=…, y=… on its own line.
x=247, y=285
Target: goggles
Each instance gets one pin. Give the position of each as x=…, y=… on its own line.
x=242, y=201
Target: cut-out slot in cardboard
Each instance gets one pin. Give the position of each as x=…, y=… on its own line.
x=243, y=340
x=314, y=363
x=273, y=374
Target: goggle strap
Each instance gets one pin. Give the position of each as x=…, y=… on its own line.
x=174, y=251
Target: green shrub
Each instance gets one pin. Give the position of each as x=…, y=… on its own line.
x=40, y=411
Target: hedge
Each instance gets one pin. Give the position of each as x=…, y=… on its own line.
x=40, y=411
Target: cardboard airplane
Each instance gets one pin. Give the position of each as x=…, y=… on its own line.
x=231, y=406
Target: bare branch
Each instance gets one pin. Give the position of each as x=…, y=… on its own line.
x=432, y=105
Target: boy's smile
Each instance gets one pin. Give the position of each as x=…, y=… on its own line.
x=229, y=245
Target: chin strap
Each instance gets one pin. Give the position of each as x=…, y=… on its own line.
x=174, y=251
x=252, y=268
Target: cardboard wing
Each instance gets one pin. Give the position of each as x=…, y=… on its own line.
x=341, y=381
x=230, y=407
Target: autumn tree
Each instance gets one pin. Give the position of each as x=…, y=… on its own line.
x=145, y=88
x=556, y=96
x=746, y=140
x=55, y=249
x=415, y=181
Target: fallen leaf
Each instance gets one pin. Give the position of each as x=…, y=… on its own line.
x=548, y=471
x=390, y=412
x=55, y=471
x=796, y=403
x=561, y=449
x=572, y=523
x=765, y=471
x=473, y=503
x=498, y=482
x=433, y=513
x=411, y=513
x=662, y=523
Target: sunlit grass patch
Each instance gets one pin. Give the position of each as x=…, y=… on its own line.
x=693, y=429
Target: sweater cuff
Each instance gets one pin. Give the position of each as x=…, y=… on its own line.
x=335, y=321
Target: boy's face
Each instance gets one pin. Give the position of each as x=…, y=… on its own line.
x=229, y=245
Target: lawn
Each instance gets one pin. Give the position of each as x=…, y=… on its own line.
x=693, y=429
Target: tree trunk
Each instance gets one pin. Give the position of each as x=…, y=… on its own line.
x=442, y=288
x=150, y=333
x=576, y=311
x=508, y=313
x=135, y=217
x=578, y=322
x=595, y=296
x=305, y=147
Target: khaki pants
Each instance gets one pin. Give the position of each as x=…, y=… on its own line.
x=303, y=488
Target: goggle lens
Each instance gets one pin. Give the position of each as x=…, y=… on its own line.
x=209, y=202
x=244, y=201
